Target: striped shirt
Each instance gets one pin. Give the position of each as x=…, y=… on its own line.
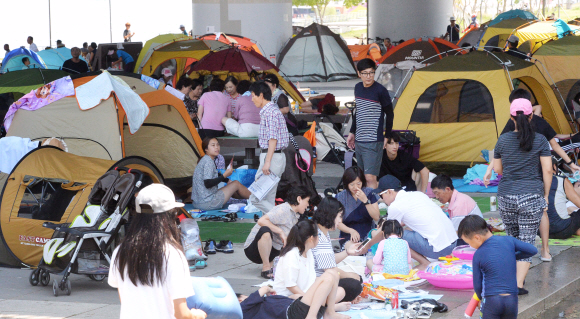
x=323, y=254
x=522, y=171
x=273, y=126
x=372, y=104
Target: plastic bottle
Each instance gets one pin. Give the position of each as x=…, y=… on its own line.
x=471, y=306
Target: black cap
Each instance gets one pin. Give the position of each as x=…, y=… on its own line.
x=388, y=182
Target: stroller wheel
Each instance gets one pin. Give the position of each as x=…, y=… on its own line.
x=44, y=277
x=97, y=277
x=67, y=288
x=33, y=278
x=55, y=289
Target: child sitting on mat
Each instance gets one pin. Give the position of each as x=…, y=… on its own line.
x=393, y=254
x=373, y=250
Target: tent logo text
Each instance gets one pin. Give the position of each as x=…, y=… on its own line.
x=184, y=48
x=415, y=55
x=256, y=67
x=33, y=239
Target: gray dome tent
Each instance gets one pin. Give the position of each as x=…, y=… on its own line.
x=316, y=54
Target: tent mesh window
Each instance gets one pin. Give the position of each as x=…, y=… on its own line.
x=454, y=101
x=45, y=198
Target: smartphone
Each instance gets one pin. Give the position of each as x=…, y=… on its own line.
x=231, y=163
x=363, y=244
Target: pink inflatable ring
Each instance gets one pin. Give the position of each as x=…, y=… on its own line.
x=454, y=275
x=464, y=252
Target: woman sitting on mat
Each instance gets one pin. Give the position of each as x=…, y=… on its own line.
x=269, y=235
x=361, y=209
x=327, y=216
x=205, y=193
x=295, y=276
x=563, y=203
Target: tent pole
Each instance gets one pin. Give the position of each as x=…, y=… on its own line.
x=110, y=23
x=49, y=26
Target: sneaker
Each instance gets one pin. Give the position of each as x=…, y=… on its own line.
x=225, y=246
x=209, y=247
x=200, y=264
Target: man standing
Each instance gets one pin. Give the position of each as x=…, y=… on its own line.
x=512, y=47
x=59, y=44
x=182, y=28
x=6, y=48
x=452, y=31
x=127, y=35
x=75, y=65
x=366, y=134
x=31, y=44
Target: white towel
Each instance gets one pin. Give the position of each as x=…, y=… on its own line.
x=12, y=149
x=92, y=93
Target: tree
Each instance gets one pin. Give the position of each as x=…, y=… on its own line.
x=319, y=6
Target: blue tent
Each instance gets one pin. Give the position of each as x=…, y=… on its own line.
x=54, y=58
x=13, y=60
x=526, y=15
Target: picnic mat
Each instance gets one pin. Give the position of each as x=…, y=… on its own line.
x=460, y=186
x=219, y=212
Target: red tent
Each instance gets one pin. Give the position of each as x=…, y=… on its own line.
x=418, y=50
x=240, y=64
x=243, y=43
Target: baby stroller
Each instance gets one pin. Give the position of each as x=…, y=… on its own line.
x=85, y=246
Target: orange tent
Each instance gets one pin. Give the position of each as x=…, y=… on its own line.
x=232, y=39
x=359, y=52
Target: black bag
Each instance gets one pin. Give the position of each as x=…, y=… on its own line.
x=409, y=138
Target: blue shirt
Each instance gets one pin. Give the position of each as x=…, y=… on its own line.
x=494, y=265
x=372, y=104
x=127, y=58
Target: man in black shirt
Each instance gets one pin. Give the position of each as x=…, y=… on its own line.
x=512, y=44
x=452, y=31
x=402, y=164
x=75, y=65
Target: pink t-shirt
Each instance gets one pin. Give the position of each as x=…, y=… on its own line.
x=460, y=204
x=246, y=111
x=215, y=106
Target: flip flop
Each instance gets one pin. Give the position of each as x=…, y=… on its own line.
x=546, y=259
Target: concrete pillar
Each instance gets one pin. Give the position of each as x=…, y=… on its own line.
x=269, y=22
x=408, y=19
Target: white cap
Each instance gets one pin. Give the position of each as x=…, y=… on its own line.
x=181, y=26
x=452, y=19
x=158, y=196
x=166, y=72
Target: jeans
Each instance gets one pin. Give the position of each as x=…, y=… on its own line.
x=421, y=245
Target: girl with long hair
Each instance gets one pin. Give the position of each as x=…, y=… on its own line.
x=523, y=158
x=149, y=268
x=295, y=276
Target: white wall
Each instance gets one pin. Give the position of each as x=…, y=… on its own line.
x=269, y=22
x=406, y=19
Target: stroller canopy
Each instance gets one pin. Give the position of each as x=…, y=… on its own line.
x=459, y=105
x=316, y=54
x=13, y=60
x=240, y=64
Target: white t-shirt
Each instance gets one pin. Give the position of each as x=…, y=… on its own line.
x=33, y=47
x=153, y=302
x=421, y=214
x=294, y=270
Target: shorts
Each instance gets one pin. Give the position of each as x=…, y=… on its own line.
x=499, y=307
x=571, y=229
x=421, y=245
x=369, y=157
x=299, y=310
x=252, y=251
x=217, y=202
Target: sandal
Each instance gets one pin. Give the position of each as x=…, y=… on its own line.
x=267, y=274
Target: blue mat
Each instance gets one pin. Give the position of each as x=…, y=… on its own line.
x=466, y=188
x=219, y=212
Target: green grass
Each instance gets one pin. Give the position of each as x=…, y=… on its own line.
x=354, y=33
x=483, y=203
x=236, y=232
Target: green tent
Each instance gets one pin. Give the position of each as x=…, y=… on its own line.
x=26, y=80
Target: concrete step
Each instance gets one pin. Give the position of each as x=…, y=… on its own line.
x=547, y=282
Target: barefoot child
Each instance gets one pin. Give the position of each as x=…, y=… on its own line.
x=494, y=267
x=296, y=276
x=393, y=255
